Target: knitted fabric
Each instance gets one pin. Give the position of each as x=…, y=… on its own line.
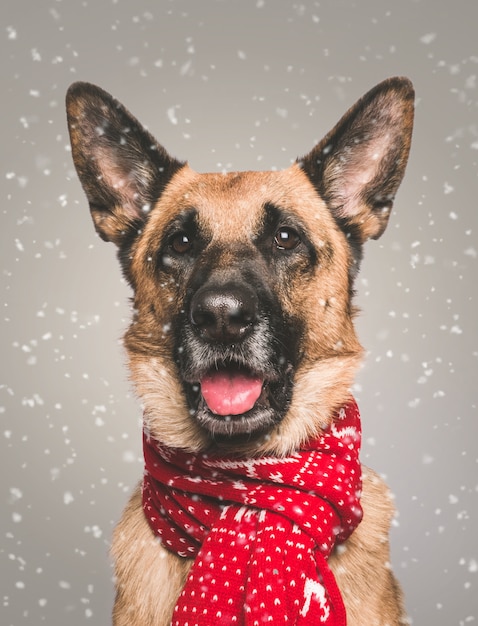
x=260, y=529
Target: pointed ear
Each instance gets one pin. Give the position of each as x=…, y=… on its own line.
x=357, y=168
x=121, y=167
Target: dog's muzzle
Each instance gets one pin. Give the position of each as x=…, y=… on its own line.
x=237, y=376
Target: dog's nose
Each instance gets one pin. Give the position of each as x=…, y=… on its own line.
x=224, y=314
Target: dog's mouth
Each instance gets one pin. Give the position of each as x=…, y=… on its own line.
x=231, y=400
x=231, y=391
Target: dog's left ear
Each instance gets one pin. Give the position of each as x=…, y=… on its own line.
x=121, y=167
x=358, y=166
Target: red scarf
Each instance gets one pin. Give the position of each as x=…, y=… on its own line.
x=260, y=529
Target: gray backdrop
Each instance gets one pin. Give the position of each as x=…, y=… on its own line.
x=231, y=84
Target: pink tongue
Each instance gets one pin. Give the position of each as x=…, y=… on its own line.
x=230, y=392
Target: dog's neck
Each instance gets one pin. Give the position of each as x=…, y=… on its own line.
x=265, y=515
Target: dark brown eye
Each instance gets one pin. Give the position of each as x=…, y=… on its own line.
x=181, y=243
x=286, y=238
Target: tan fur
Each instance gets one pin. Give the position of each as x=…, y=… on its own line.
x=340, y=194
x=320, y=386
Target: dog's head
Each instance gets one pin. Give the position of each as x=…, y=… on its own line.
x=243, y=282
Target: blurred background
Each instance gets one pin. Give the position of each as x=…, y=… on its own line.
x=231, y=84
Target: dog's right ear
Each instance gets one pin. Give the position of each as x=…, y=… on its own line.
x=121, y=167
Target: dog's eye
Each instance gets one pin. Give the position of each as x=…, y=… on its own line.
x=286, y=238
x=181, y=243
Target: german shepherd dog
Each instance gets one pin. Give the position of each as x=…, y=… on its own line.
x=242, y=340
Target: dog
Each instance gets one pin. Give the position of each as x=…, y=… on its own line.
x=242, y=343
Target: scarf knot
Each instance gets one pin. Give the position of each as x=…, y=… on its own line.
x=260, y=529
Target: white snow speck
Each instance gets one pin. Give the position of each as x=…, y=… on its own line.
x=94, y=530
x=470, y=82
x=186, y=67
x=172, y=115
x=129, y=456
x=428, y=38
x=12, y=33
x=15, y=494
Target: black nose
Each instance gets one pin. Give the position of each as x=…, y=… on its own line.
x=224, y=314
